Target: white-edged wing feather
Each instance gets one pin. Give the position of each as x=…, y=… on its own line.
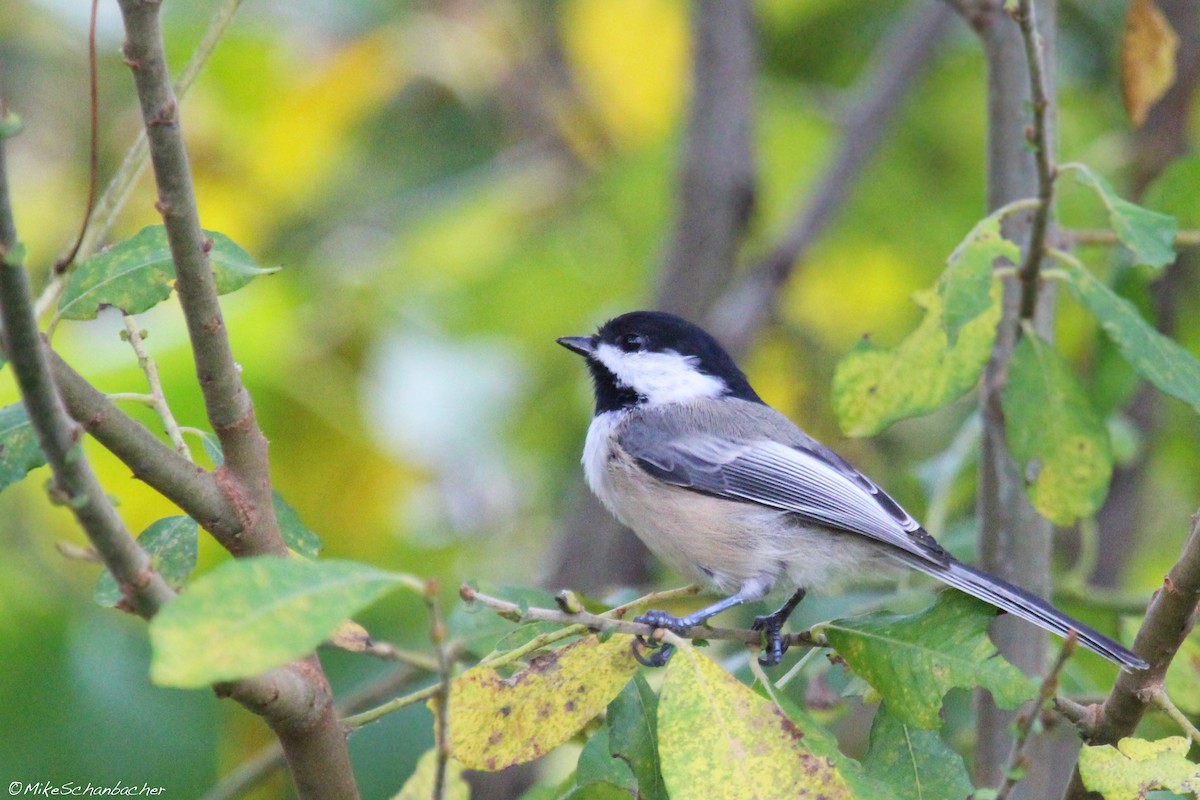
x=808, y=480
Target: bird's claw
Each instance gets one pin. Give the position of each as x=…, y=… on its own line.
x=659, y=652
x=774, y=646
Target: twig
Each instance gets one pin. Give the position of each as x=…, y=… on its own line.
x=60, y=439
x=119, y=187
x=1018, y=761
x=158, y=400
x=1105, y=237
x=441, y=700
x=1039, y=140
x=582, y=621
x=1163, y=701
x=63, y=263
x=1081, y=715
x=899, y=58
x=353, y=723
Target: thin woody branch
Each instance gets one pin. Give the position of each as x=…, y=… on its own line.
x=299, y=709
x=228, y=404
x=1039, y=139
x=75, y=484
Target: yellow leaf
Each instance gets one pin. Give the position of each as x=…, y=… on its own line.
x=1147, y=58
x=1135, y=766
x=496, y=722
x=748, y=748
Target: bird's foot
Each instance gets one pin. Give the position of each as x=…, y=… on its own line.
x=652, y=652
x=774, y=647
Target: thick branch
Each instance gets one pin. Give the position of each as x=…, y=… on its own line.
x=185, y=484
x=1168, y=622
x=894, y=67
x=75, y=484
x=228, y=404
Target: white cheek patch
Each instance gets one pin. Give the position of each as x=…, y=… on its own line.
x=661, y=378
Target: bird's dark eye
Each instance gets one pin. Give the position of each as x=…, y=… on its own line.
x=632, y=342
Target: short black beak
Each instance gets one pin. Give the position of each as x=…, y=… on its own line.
x=577, y=344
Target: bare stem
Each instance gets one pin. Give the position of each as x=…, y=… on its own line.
x=1163, y=701
x=228, y=404
x=1018, y=761
x=158, y=400
x=1039, y=140
x=1107, y=238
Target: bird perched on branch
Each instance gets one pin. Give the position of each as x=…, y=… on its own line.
x=733, y=495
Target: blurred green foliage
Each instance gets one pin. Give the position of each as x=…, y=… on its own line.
x=447, y=191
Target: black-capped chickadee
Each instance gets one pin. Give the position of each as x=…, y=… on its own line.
x=732, y=495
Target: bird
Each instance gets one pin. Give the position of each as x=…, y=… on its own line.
x=733, y=495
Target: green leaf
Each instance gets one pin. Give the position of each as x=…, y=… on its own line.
x=1157, y=358
x=912, y=660
x=138, y=273
x=296, y=534
x=252, y=614
x=19, y=450
x=633, y=736
x=721, y=741
x=1054, y=433
x=874, y=387
x=419, y=785
x=1134, y=766
x=598, y=765
x=915, y=763
x=1150, y=236
x=172, y=545
x=965, y=285
x=496, y=722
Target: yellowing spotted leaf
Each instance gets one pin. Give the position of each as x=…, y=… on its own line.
x=496, y=722
x=1135, y=766
x=720, y=741
x=1147, y=58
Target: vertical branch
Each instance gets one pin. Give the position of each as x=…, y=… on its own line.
x=1039, y=140
x=300, y=710
x=716, y=178
x=60, y=439
x=226, y=400
x=1015, y=542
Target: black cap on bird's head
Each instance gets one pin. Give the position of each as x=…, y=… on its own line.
x=653, y=358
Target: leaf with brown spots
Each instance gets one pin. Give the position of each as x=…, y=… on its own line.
x=721, y=741
x=496, y=722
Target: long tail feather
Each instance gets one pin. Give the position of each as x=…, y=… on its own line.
x=1025, y=605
